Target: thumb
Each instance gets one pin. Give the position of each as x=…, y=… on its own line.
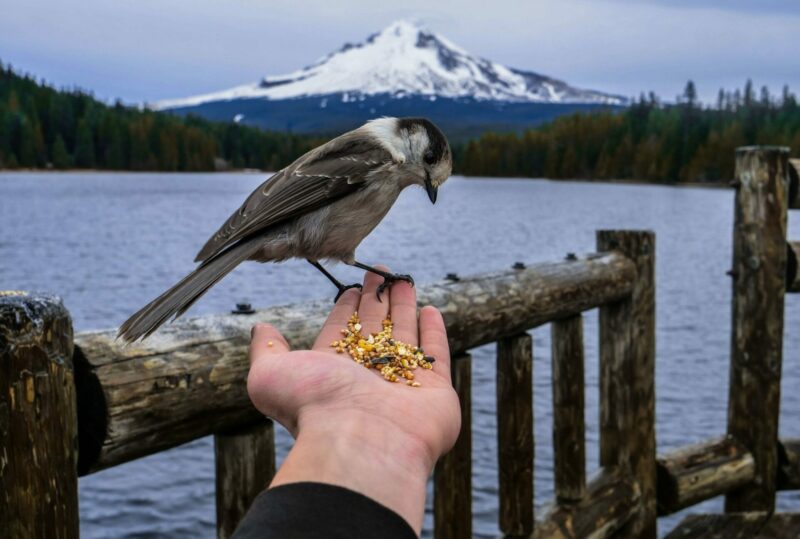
x=265, y=341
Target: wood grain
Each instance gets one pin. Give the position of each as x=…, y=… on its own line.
x=245, y=466
x=627, y=376
x=515, y=444
x=452, y=477
x=612, y=500
x=38, y=419
x=569, y=445
x=699, y=472
x=759, y=269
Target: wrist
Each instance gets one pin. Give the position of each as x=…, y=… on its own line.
x=365, y=453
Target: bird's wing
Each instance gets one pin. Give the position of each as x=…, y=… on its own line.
x=336, y=169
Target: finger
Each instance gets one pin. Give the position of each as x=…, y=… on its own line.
x=266, y=340
x=403, y=308
x=337, y=320
x=433, y=339
x=371, y=311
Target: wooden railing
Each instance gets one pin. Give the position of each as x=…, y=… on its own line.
x=188, y=381
x=71, y=406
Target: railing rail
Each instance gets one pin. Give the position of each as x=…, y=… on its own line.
x=188, y=380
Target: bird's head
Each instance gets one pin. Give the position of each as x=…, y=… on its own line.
x=427, y=153
x=419, y=146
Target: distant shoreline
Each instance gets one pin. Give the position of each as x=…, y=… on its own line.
x=709, y=185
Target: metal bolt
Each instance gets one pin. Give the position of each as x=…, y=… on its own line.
x=753, y=262
x=243, y=308
x=732, y=273
x=518, y=266
x=570, y=256
x=452, y=277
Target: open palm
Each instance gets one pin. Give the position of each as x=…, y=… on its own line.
x=319, y=388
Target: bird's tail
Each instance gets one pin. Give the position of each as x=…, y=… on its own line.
x=180, y=297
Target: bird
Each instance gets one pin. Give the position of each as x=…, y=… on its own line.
x=319, y=208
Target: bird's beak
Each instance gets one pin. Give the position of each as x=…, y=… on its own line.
x=431, y=189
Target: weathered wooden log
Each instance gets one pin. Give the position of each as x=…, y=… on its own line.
x=38, y=419
x=789, y=464
x=612, y=499
x=722, y=526
x=781, y=526
x=627, y=376
x=793, y=169
x=793, y=266
x=569, y=446
x=759, y=282
x=699, y=472
x=452, y=477
x=245, y=465
x=515, y=447
x=188, y=380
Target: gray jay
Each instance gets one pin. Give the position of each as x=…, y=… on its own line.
x=319, y=208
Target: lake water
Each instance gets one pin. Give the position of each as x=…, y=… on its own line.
x=107, y=243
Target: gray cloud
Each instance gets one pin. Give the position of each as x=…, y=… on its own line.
x=144, y=50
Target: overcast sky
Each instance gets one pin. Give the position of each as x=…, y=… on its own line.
x=145, y=50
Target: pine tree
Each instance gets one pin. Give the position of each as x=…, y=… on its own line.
x=59, y=155
x=690, y=94
x=84, y=146
x=749, y=94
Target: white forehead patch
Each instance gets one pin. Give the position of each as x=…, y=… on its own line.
x=385, y=131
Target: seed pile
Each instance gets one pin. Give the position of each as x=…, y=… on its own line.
x=395, y=360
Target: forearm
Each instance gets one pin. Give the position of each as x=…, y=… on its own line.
x=365, y=454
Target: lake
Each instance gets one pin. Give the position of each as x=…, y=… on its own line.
x=109, y=242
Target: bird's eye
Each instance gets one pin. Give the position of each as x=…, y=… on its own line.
x=428, y=157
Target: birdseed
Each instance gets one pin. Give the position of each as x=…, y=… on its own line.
x=395, y=360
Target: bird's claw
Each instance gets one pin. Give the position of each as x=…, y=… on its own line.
x=344, y=288
x=390, y=279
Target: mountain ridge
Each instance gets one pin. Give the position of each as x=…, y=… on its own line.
x=403, y=59
x=405, y=69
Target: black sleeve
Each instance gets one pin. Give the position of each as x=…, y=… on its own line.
x=318, y=510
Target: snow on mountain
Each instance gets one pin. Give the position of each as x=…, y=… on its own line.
x=405, y=59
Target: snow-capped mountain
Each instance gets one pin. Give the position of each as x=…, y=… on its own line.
x=405, y=70
x=405, y=59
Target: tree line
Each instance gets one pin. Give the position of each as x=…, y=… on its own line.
x=651, y=141
x=41, y=127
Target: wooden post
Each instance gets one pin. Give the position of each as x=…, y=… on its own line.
x=759, y=280
x=38, y=419
x=627, y=375
x=569, y=447
x=515, y=448
x=245, y=462
x=452, y=478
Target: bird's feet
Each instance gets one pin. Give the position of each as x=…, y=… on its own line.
x=389, y=279
x=343, y=287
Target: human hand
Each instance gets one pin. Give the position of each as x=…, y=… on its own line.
x=353, y=428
